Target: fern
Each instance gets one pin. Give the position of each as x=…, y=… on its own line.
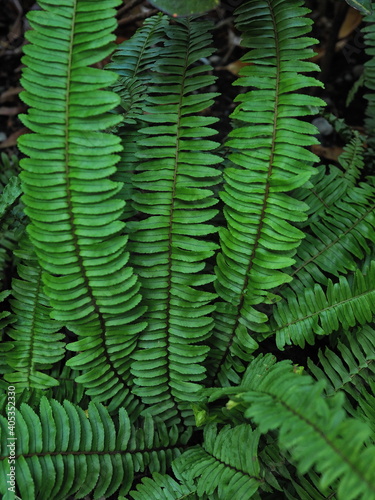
x=326, y=189
x=36, y=343
x=67, y=191
x=169, y=245
x=62, y=451
x=268, y=161
x=133, y=61
x=315, y=430
x=344, y=305
x=122, y=339
x=219, y=465
x=350, y=369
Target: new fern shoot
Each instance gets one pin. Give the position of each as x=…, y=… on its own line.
x=158, y=275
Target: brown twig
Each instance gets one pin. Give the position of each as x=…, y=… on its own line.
x=129, y=5
x=137, y=17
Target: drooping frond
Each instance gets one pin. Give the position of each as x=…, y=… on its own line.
x=171, y=241
x=133, y=61
x=351, y=369
x=348, y=302
x=37, y=345
x=70, y=199
x=222, y=464
x=268, y=160
x=336, y=242
x=63, y=451
x=314, y=429
x=283, y=477
x=326, y=189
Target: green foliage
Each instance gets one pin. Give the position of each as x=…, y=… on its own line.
x=314, y=429
x=152, y=284
x=63, y=451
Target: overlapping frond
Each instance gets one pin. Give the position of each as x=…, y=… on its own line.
x=314, y=429
x=330, y=184
x=63, y=450
x=283, y=477
x=342, y=236
x=12, y=217
x=269, y=159
x=348, y=302
x=173, y=194
x=36, y=343
x=222, y=465
x=164, y=488
x=133, y=61
x=350, y=368
x=69, y=196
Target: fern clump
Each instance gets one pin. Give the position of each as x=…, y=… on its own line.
x=158, y=287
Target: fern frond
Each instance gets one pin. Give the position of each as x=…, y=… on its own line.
x=345, y=304
x=162, y=488
x=12, y=218
x=315, y=430
x=9, y=195
x=170, y=244
x=343, y=235
x=83, y=453
x=282, y=476
x=269, y=159
x=136, y=56
x=71, y=202
x=326, y=189
x=222, y=464
x=6, y=318
x=133, y=61
x=351, y=368
x=37, y=345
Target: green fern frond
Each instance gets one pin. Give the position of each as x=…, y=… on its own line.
x=342, y=236
x=137, y=56
x=164, y=488
x=314, y=429
x=12, y=218
x=69, y=197
x=9, y=195
x=269, y=159
x=6, y=318
x=283, y=477
x=171, y=241
x=326, y=189
x=351, y=368
x=133, y=61
x=63, y=451
x=314, y=312
x=37, y=345
x=222, y=464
